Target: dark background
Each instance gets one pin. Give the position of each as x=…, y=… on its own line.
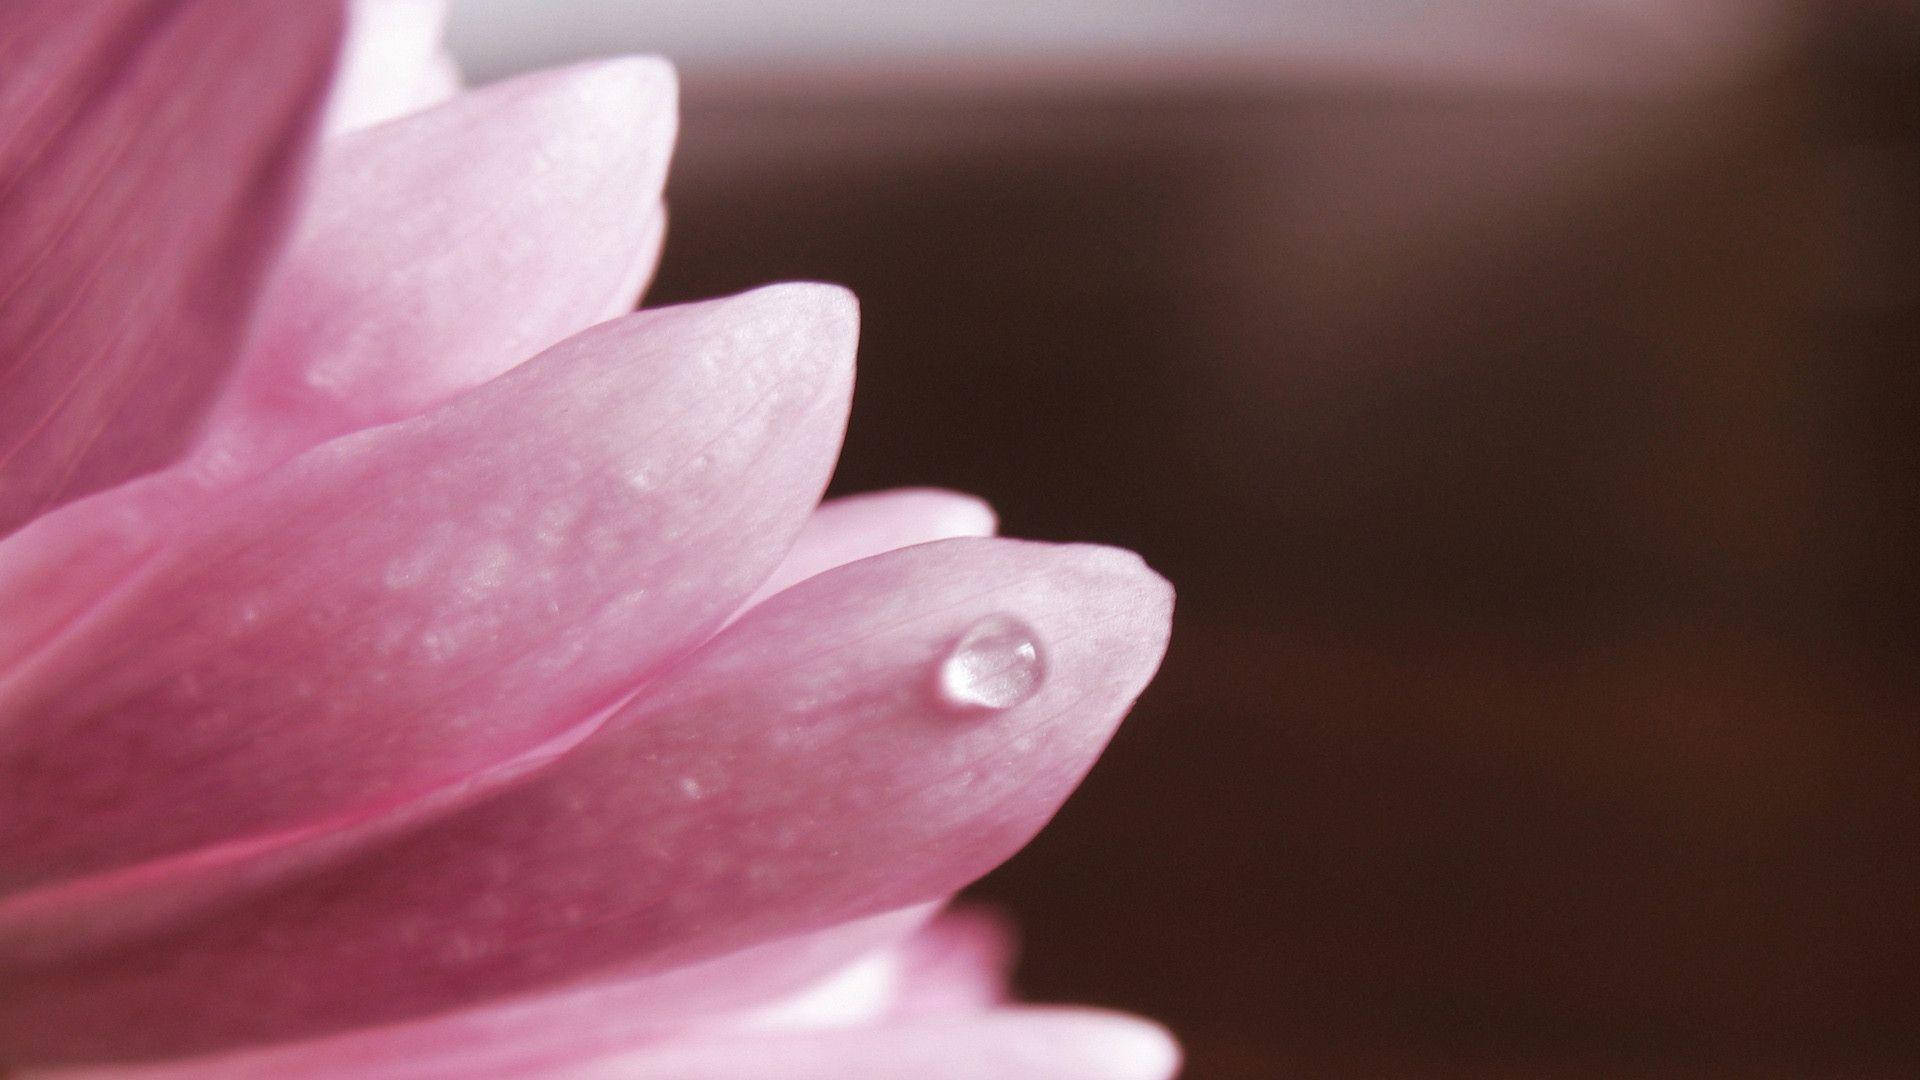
x=1537, y=470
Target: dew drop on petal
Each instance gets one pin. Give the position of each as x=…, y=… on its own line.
x=996, y=664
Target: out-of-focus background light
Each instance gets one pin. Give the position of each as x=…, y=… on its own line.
x=1523, y=396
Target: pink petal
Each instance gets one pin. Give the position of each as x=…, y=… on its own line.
x=392, y=64
x=1005, y=1044
x=399, y=609
x=961, y=962
x=77, y=916
x=551, y=1031
x=859, y=526
x=440, y=250
x=62, y=563
x=898, y=976
x=799, y=771
x=442, y=341
x=147, y=154
x=958, y=962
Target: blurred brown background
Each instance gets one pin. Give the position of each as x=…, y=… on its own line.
x=1536, y=462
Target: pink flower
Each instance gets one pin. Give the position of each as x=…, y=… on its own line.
x=411, y=666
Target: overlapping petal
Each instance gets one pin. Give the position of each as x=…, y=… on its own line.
x=855, y=527
x=800, y=770
x=1031, y=1043
x=546, y=1032
x=404, y=607
x=438, y=250
x=382, y=721
x=962, y=961
x=144, y=192
x=1028, y=1043
x=471, y=272
x=924, y=992
x=60, y=564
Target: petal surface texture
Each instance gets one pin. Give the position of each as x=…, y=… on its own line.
x=145, y=189
x=802, y=769
x=441, y=249
x=403, y=608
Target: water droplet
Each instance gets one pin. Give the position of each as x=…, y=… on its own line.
x=996, y=664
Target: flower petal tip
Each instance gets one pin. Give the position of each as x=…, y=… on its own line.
x=626, y=90
x=952, y=513
x=831, y=312
x=804, y=331
x=652, y=77
x=1118, y=1046
x=1121, y=586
